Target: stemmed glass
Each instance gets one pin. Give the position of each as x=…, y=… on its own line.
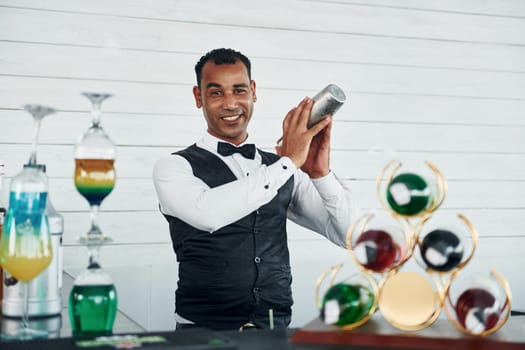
x=25, y=246
x=93, y=298
x=94, y=168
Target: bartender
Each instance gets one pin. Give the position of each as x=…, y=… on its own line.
x=227, y=203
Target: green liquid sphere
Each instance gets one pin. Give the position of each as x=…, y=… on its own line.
x=408, y=194
x=345, y=304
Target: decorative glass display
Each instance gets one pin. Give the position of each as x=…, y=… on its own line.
x=93, y=298
x=25, y=245
x=380, y=245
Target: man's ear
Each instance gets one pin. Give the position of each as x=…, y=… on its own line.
x=253, y=86
x=197, y=96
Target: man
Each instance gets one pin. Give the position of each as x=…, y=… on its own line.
x=227, y=211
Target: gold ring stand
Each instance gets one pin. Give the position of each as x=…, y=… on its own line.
x=413, y=300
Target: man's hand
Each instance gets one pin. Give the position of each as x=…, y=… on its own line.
x=297, y=140
x=317, y=163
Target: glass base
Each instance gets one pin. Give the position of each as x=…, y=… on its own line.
x=94, y=240
x=25, y=334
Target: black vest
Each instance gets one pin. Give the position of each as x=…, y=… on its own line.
x=237, y=273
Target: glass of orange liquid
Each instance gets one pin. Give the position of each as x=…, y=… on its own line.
x=25, y=244
x=94, y=167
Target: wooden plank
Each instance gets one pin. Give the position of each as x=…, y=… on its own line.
x=138, y=162
x=180, y=131
x=505, y=8
x=150, y=227
x=145, y=100
x=132, y=194
x=17, y=24
x=174, y=68
x=308, y=17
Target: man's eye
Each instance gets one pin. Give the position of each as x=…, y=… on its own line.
x=215, y=93
x=240, y=91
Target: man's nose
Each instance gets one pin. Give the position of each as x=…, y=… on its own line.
x=230, y=101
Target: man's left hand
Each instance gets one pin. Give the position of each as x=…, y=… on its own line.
x=317, y=163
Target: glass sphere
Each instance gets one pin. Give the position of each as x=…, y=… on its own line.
x=478, y=306
x=442, y=250
x=376, y=250
x=408, y=194
x=346, y=304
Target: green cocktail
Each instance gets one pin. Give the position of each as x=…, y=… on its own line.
x=92, y=309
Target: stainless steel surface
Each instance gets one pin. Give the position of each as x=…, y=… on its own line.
x=327, y=101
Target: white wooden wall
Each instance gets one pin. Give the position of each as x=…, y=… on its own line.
x=442, y=81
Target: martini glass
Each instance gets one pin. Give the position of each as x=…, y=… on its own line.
x=25, y=246
x=94, y=168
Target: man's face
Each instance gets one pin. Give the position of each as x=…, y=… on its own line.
x=226, y=96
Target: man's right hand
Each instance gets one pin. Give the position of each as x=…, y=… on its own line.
x=296, y=135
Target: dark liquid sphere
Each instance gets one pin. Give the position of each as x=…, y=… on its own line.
x=476, y=310
x=442, y=250
x=408, y=194
x=345, y=304
x=92, y=309
x=376, y=250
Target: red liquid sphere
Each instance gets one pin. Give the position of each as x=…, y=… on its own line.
x=376, y=250
x=477, y=310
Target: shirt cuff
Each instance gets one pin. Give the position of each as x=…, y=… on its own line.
x=287, y=164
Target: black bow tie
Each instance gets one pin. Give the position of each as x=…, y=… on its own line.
x=226, y=149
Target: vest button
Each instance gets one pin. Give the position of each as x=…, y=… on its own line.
x=256, y=230
x=257, y=260
x=256, y=290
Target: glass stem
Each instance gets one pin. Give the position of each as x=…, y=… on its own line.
x=36, y=132
x=95, y=113
x=95, y=229
x=93, y=253
x=25, y=306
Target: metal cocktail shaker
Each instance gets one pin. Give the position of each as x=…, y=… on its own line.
x=326, y=101
x=45, y=291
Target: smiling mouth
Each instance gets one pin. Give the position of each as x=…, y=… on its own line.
x=232, y=118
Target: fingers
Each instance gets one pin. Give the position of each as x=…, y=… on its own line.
x=297, y=117
x=278, y=150
x=325, y=123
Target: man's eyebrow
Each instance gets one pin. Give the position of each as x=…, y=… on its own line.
x=217, y=85
x=211, y=85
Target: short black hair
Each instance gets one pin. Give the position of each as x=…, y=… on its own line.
x=221, y=56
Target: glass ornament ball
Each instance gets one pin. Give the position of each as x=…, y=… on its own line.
x=477, y=308
x=408, y=194
x=346, y=304
x=376, y=250
x=442, y=250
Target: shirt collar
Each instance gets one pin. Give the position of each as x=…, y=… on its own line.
x=209, y=142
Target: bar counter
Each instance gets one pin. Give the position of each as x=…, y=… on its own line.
x=314, y=336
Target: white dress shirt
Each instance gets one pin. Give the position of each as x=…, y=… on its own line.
x=323, y=205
